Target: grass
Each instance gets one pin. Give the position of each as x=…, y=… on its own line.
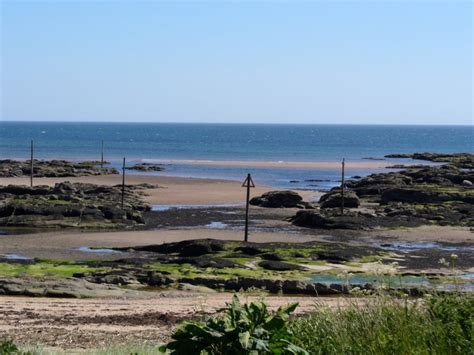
x=442, y=324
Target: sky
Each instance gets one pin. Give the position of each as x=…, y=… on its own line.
x=358, y=62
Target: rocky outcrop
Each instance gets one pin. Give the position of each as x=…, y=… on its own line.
x=440, y=195
x=421, y=195
x=186, y=248
x=52, y=168
x=279, y=266
x=460, y=160
x=63, y=288
x=146, y=167
x=280, y=199
x=74, y=205
x=333, y=199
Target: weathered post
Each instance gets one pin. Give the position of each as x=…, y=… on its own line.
x=248, y=183
x=342, y=187
x=102, y=156
x=123, y=182
x=31, y=165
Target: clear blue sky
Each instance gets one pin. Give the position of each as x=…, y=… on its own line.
x=403, y=61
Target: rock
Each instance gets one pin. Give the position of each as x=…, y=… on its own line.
x=420, y=195
x=146, y=167
x=278, y=199
x=334, y=199
x=19, y=190
x=461, y=160
x=67, y=204
x=204, y=262
x=53, y=168
x=249, y=250
x=271, y=256
x=63, y=288
x=329, y=257
x=273, y=286
x=194, y=288
x=185, y=248
x=466, y=183
x=113, y=213
x=279, y=266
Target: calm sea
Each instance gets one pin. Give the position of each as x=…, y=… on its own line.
x=150, y=141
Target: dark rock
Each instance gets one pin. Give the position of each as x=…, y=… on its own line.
x=249, y=250
x=277, y=199
x=279, y=266
x=74, y=205
x=334, y=199
x=113, y=213
x=185, y=248
x=329, y=257
x=53, y=168
x=461, y=160
x=146, y=167
x=271, y=256
x=206, y=262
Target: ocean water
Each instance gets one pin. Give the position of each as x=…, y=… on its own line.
x=155, y=141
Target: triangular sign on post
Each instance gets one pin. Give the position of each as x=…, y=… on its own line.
x=248, y=182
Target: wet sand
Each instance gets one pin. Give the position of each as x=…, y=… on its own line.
x=65, y=244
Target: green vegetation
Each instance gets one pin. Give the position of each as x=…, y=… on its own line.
x=439, y=325
x=58, y=269
x=247, y=329
x=191, y=271
x=7, y=347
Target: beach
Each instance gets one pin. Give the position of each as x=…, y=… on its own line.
x=170, y=191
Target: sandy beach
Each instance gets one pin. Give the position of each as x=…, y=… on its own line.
x=93, y=323
x=172, y=190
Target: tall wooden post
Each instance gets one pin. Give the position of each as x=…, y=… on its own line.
x=102, y=156
x=31, y=165
x=248, y=183
x=342, y=187
x=123, y=181
x=246, y=238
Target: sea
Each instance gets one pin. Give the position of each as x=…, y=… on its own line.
x=155, y=142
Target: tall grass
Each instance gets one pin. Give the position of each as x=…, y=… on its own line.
x=442, y=324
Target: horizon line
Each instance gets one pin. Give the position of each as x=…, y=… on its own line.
x=246, y=123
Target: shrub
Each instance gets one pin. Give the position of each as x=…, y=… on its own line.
x=243, y=329
x=8, y=347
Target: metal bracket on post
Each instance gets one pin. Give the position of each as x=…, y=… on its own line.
x=248, y=183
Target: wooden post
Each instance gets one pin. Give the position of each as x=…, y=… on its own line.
x=246, y=237
x=123, y=182
x=248, y=183
x=102, y=156
x=31, y=165
x=342, y=187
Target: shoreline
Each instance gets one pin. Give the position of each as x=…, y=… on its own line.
x=379, y=164
x=285, y=164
